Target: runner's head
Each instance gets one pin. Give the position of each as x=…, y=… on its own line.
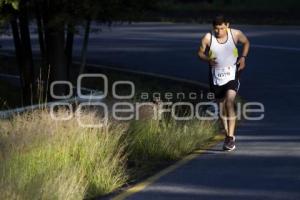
x=220, y=25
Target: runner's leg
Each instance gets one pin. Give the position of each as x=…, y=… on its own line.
x=229, y=104
x=223, y=115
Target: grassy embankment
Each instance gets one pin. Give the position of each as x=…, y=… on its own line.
x=46, y=159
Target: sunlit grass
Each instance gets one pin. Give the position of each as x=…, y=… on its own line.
x=42, y=158
x=152, y=142
x=47, y=159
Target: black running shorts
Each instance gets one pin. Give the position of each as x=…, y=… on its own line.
x=220, y=90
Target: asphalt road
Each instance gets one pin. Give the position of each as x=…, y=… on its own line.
x=266, y=163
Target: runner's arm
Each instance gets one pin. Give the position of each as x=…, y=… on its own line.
x=241, y=38
x=203, y=46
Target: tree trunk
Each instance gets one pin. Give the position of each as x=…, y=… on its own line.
x=23, y=52
x=29, y=74
x=42, y=70
x=85, y=45
x=69, y=47
x=57, y=58
x=40, y=28
x=18, y=52
x=55, y=47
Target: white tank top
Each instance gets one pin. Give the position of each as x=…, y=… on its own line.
x=226, y=56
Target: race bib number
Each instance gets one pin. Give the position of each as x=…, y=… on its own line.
x=223, y=74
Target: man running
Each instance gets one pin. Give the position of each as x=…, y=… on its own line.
x=218, y=49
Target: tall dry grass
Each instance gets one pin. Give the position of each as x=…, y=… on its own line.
x=42, y=158
x=46, y=159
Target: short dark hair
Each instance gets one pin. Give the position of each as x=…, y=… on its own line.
x=219, y=20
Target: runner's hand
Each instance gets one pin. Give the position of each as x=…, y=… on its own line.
x=241, y=63
x=212, y=62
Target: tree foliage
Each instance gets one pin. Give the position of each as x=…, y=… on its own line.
x=54, y=19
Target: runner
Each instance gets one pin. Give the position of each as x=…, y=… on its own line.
x=218, y=49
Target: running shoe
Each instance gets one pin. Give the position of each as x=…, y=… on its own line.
x=229, y=143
